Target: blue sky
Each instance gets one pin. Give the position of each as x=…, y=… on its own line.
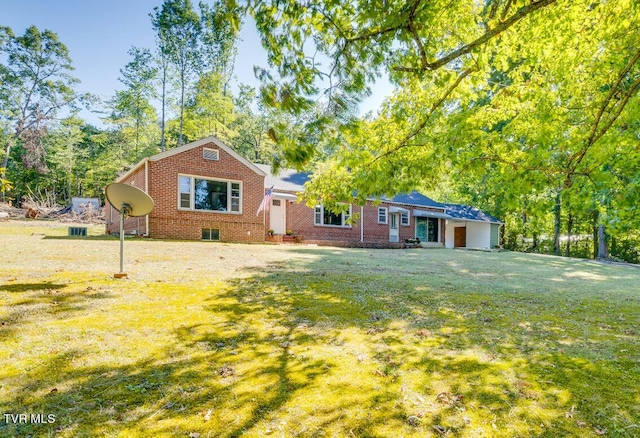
x=98, y=34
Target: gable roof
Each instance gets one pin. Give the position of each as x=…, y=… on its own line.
x=469, y=213
x=202, y=142
x=193, y=145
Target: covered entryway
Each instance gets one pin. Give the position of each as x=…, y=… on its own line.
x=460, y=237
x=394, y=222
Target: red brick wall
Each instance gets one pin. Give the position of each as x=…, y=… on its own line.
x=300, y=219
x=168, y=222
x=131, y=224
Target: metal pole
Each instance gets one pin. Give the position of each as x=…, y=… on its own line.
x=121, y=242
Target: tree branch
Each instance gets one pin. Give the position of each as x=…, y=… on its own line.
x=423, y=123
x=490, y=33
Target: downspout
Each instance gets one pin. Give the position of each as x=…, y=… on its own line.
x=146, y=189
x=362, y=223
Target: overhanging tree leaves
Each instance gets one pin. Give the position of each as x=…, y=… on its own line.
x=516, y=95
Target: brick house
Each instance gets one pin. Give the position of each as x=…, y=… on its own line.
x=380, y=223
x=202, y=190
x=205, y=190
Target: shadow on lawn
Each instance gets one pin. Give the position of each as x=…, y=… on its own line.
x=31, y=299
x=330, y=344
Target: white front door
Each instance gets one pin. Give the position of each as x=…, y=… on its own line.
x=277, y=216
x=394, y=233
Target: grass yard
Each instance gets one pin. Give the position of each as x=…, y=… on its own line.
x=218, y=340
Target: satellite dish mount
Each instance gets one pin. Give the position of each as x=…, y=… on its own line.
x=130, y=202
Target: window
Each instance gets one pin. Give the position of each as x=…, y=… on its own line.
x=382, y=215
x=427, y=229
x=326, y=217
x=209, y=194
x=275, y=202
x=210, y=234
x=210, y=154
x=404, y=218
x=185, y=191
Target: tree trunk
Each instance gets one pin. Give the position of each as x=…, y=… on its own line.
x=557, y=209
x=596, y=216
x=182, y=85
x=535, y=242
x=567, y=252
x=603, y=244
x=164, y=100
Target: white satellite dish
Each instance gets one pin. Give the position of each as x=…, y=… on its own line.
x=130, y=202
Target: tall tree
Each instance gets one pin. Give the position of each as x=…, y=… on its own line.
x=211, y=110
x=251, y=126
x=134, y=102
x=220, y=25
x=35, y=83
x=178, y=27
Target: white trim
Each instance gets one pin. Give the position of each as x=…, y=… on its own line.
x=146, y=189
x=287, y=196
x=211, y=154
x=386, y=215
x=192, y=188
x=342, y=214
x=129, y=172
x=408, y=213
x=457, y=220
x=431, y=214
x=362, y=223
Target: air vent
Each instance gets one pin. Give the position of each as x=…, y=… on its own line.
x=78, y=231
x=210, y=154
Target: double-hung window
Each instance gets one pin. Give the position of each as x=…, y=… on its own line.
x=382, y=215
x=325, y=217
x=209, y=194
x=404, y=218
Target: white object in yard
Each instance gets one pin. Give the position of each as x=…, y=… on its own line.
x=78, y=203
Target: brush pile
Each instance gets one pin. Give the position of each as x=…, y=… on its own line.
x=85, y=214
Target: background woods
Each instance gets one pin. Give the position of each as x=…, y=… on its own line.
x=527, y=109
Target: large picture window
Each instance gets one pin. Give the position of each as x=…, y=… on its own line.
x=209, y=194
x=427, y=229
x=326, y=217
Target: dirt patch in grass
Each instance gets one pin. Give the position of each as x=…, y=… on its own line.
x=207, y=339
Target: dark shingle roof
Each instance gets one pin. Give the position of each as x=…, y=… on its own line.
x=287, y=179
x=292, y=180
x=414, y=198
x=467, y=212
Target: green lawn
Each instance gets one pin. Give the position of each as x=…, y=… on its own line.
x=219, y=340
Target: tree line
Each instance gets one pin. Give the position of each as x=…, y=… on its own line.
x=173, y=93
x=527, y=109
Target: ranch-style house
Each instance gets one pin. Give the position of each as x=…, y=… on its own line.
x=205, y=190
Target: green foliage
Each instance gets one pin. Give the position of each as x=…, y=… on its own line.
x=5, y=184
x=519, y=107
x=211, y=110
x=35, y=83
